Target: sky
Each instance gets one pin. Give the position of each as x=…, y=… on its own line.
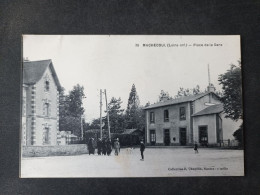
x=116, y=62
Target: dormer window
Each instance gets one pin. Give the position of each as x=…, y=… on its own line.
x=47, y=85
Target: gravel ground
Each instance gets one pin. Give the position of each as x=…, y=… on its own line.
x=159, y=162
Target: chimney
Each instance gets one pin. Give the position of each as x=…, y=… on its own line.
x=211, y=88
x=26, y=59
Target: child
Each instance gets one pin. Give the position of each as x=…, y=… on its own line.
x=196, y=148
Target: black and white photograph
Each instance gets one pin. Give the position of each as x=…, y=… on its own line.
x=106, y=106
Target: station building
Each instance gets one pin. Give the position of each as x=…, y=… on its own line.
x=185, y=120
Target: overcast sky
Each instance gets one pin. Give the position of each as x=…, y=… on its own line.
x=115, y=63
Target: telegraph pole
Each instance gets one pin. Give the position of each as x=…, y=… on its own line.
x=209, y=75
x=81, y=126
x=101, y=113
x=108, y=125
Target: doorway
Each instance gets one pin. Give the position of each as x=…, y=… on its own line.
x=152, y=137
x=166, y=137
x=183, y=136
x=203, y=135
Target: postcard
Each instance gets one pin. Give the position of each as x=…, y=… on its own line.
x=131, y=106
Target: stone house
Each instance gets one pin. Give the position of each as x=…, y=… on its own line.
x=40, y=103
x=185, y=120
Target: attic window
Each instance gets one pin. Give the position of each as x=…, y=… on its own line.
x=47, y=85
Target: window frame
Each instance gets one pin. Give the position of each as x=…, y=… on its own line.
x=152, y=117
x=166, y=119
x=47, y=85
x=182, y=115
x=46, y=109
x=46, y=139
x=152, y=136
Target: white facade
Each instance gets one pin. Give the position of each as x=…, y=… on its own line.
x=41, y=105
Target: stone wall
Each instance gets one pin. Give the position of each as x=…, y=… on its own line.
x=41, y=151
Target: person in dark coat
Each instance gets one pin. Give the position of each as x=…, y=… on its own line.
x=109, y=147
x=196, y=148
x=142, y=148
x=99, y=146
x=91, y=149
x=104, y=147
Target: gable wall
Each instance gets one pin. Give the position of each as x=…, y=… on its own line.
x=52, y=97
x=199, y=104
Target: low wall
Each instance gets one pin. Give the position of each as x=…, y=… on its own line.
x=40, y=151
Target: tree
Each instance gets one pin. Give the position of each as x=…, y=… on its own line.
x=164, y=96
x=75, y=98
x=232, y=97
x=116, y=117
x=71, y=110
x=132, y=109
x=140, y=119
x=147, y=104
x=232, y=92
x=196, y=90
x=238, y=134
x=187, y=92
x=95, y=124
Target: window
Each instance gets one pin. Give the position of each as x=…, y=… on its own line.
x=46, y=135
x=166, y=115
x=182, y=113
x=203, y=135
x=47, y=85
x=152, y=137
x=46, y=109
x=151, y=117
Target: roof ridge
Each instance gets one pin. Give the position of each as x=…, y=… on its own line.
x=182, y=99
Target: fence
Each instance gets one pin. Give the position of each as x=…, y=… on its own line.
x=229, y=143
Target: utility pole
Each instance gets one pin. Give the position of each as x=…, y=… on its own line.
x=209, y=75
x=108, y=125
x=101, y=113
x=81, y=126
x=209, y=87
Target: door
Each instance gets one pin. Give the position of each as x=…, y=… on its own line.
x=183, y=137
x=166, y=137
x=152, y=137
x=203, y=135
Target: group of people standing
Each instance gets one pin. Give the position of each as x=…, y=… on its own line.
x=104, y=146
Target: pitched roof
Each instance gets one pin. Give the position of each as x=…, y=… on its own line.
x=177, y=100
x=210, y=110
x=34, y=70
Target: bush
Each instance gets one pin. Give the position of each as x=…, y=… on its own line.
x=238, y=134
